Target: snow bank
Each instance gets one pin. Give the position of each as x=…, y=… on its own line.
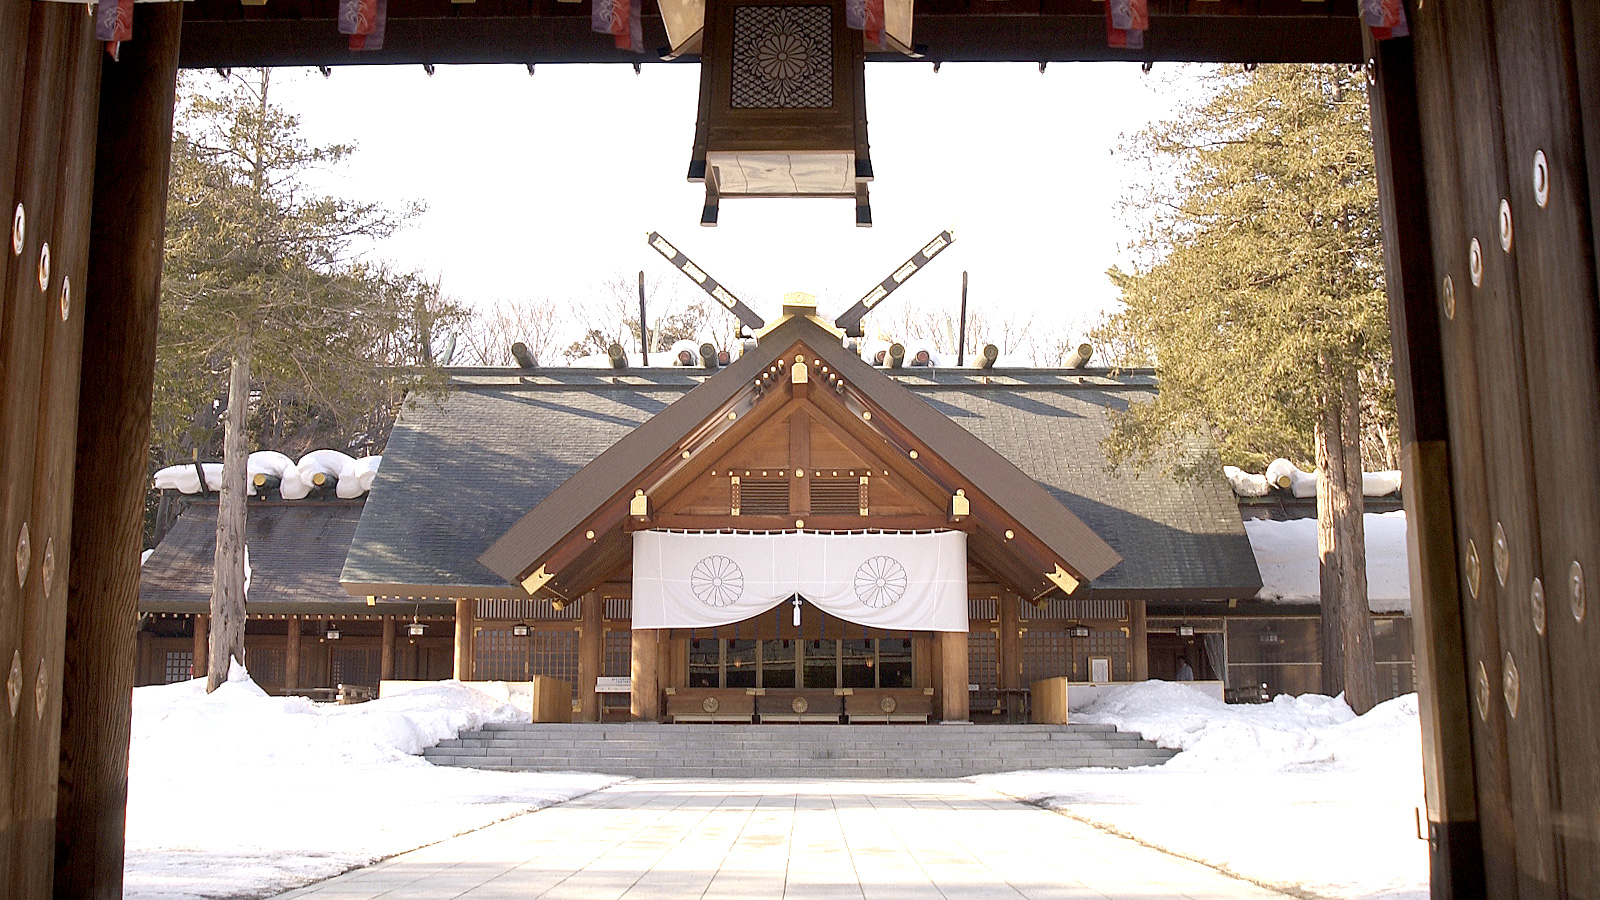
x=245, y=794
x=183, y=478
x=1299, y=793
x=1286, y=554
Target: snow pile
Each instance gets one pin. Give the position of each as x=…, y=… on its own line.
x=1299, y=793
x=296, y=480
x=250, y=795
x=1286, y=554
x=1285, y=475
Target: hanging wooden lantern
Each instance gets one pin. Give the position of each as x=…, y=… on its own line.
x=782, y=104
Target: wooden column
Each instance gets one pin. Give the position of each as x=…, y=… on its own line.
x=591, y=653
x=1139, y=641
x=954, y=704
x=291, y=657
x=119, y=297
x=646, y=674
x=202, y=645
x=1010, y=644
x=1455, y=834
x=466, y=618
x=386, y=659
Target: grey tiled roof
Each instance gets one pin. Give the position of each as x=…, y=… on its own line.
x=296, y=551
x=458, y=472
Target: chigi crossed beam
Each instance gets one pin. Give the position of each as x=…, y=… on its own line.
x=849, y=321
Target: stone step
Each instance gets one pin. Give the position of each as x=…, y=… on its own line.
x=825, y=751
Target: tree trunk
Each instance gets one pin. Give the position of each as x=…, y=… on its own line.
x=1347, y=661
x=227, y=579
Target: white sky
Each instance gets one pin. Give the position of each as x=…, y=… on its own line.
x=543, y=186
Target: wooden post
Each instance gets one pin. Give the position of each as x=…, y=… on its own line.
x=954, y=705
x=591, y=653
x=120, y=298
x=646, y=675
x=386, y=659
x=1139, y=640
x=291, y=657
x=202, y=644
x=1010, y=644
x=1443, y=673
x=466, y=618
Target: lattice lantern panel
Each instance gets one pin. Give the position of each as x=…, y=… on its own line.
x=782, y=107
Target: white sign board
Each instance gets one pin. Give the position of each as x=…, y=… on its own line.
x=613, y=684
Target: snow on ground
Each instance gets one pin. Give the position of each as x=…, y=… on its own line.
x=1297, y=793
x=1286, y=553
x=241, y=794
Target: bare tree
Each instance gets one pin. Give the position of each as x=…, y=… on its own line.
x=486, y=339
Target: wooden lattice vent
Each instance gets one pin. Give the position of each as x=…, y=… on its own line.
x=760, y=496
x=839, y=496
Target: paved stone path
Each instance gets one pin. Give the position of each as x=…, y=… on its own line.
x=748, y=840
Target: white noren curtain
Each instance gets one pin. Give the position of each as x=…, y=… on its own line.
x=908, y=582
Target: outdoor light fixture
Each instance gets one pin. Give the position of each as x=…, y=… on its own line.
x=1079, y=631
x=782, y=96
x=1269, y=637
x=1186, y=631
x=333, y=634
x=416, y=629
x=520, y=629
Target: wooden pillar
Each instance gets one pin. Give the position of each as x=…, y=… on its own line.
x=202, y=644
x=646, y=674
x=591, y=653
x=48, y=85
x=1010, y=644
x=954, y=703
x=466, y=618
x=1139, y=641
x=119, y=297
x=386, y=659
x=291, y=657
x=1455, y=810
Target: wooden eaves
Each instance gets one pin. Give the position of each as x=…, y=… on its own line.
x=577, y=535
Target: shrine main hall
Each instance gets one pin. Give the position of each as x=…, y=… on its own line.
x=796, y=536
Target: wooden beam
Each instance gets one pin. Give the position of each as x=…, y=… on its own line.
x=646, y=675
x=1009, y=648
x=386, y=655
x=1443, y=681
x=954, y=703
x=466, y=619
x=202, y=644
x=1139, y=641
x=591, y=654
x=291, y=657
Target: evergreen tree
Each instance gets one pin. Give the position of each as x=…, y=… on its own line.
x=267, y=319
x=1257, y=288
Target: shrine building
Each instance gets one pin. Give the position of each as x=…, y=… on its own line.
x=796, y=536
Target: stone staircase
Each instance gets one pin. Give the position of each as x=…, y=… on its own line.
x=649, y=750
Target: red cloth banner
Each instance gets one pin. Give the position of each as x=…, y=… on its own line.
x=622, y=20
x=1386, y=18
x=1126, y=23
x=113, y=23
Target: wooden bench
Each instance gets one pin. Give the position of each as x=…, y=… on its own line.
x=868, y=705
x=711, y=704
x=799, y=705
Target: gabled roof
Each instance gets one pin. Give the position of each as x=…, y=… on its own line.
x=901, y=416
x=297, y=549
x=460, y=471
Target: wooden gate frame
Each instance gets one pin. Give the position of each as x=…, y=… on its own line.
x=1499, y=393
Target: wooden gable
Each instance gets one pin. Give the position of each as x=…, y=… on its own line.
x=800, y=415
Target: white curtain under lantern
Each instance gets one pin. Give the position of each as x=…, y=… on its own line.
x=907, y=582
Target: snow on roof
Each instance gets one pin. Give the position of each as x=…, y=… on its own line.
x=353, y=477
x=1286, y=553
x=1286, y=476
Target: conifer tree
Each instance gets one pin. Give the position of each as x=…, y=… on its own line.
x=267, y=315
x=1257, y=287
